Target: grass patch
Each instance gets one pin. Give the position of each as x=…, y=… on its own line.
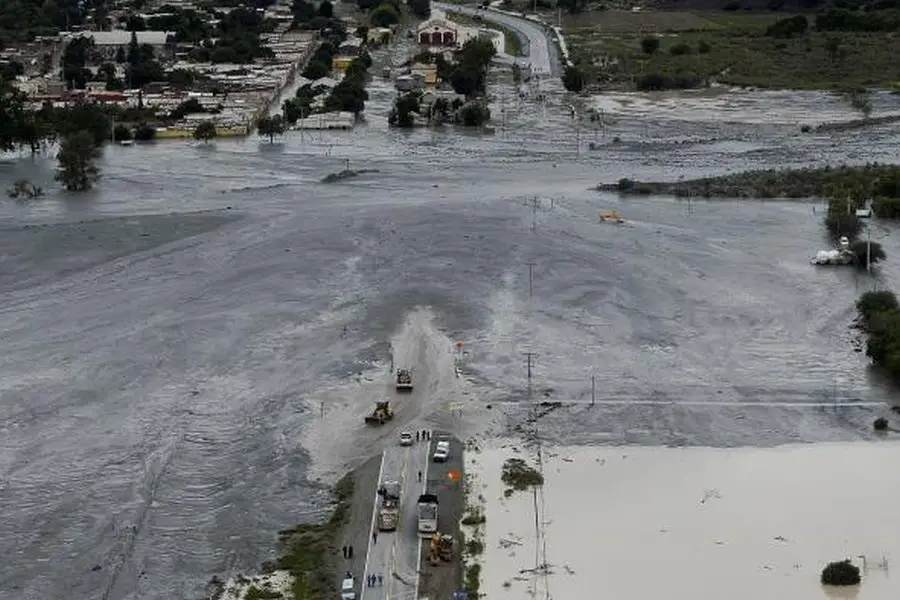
x=728, y=48
x=473, y=580
x=474, y=517
x=474, y=547
x=255, y=593
x=518, y=476
x=787, y=183
x=306, y=548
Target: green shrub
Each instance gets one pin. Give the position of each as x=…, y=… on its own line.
x=841, y=573
x=872, y=303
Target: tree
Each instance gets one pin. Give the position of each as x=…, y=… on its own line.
x=840, y=573
x=865, y=250
x=271, y=126
x=833, y=47
x=12, y=116
x=405, y=109
x=420, y=8
x=122, y=133
x=385, y=15
x=573, y=79
x=303, y=11
x=77, y=155
x=326, y=9
x=205, y=131
x=650, y=44
x=873, y=303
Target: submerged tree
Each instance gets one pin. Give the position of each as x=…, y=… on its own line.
x=841, y=573
x=271, y=126
x=205, y=131
x=77, y=161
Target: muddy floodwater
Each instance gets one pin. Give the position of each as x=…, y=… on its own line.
x=188, y=350
x=633, y=523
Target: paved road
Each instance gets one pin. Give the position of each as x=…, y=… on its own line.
x=394, y=555
x=542, y=53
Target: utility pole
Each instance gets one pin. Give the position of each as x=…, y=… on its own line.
x=530, y=278
x=534, y=207
x=869, y=251
x=529, y=356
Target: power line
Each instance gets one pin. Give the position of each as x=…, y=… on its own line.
x=531, y=266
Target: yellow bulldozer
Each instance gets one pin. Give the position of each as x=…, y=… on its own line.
x=440, y=549
x=381, y=415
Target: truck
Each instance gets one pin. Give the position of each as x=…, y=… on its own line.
x=404, y=380
x=381, y=415
x=428, y=514
x=389, y=512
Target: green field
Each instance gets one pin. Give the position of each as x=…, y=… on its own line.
x=728, y=48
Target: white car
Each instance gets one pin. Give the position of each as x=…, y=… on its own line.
x=406, y=439
x=441, y=452
x=348, y=587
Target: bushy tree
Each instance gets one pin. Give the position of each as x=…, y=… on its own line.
x=573, y=79
x=841, y=573
x=873, y=303
x=405, y=109
x=385, y=15
x=863, y=251
x=77, y=161
x=271, y=126
x=205, y=131
x=650, y=44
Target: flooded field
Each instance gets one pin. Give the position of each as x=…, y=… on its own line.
x=692, y=523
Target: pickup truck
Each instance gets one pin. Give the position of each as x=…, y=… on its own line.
x=389, y=512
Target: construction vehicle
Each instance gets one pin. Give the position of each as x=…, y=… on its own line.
x=389, y=513
x=381, y=415
x=440, y=549
x=428, y=513
x=404, y=380
x=612, y=216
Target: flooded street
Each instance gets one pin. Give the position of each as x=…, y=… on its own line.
x=169, y=337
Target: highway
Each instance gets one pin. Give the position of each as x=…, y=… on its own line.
x=395, y=555
x=542, y=53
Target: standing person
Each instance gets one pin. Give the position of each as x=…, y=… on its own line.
x=417, y=436
x=379, y=580
x=349, y=551
x=420, y=476
x=344, y=551
x=374, y=537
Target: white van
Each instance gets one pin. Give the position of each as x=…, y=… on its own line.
x=348, y=588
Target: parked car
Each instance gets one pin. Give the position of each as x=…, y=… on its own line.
x=348, y=587
x=406, y=438
x=441, y=452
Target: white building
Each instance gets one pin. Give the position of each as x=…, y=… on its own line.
x=439, y=33
x=120, y=37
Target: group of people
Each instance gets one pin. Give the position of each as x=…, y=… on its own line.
x=423, y=435
x=374, y=580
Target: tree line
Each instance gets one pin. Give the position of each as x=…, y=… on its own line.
x=349, y=95
x=468, y=77
x=879, y=314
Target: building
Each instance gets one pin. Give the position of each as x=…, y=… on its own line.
x=428, y=73
x=107, y=43
x=439, y=33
